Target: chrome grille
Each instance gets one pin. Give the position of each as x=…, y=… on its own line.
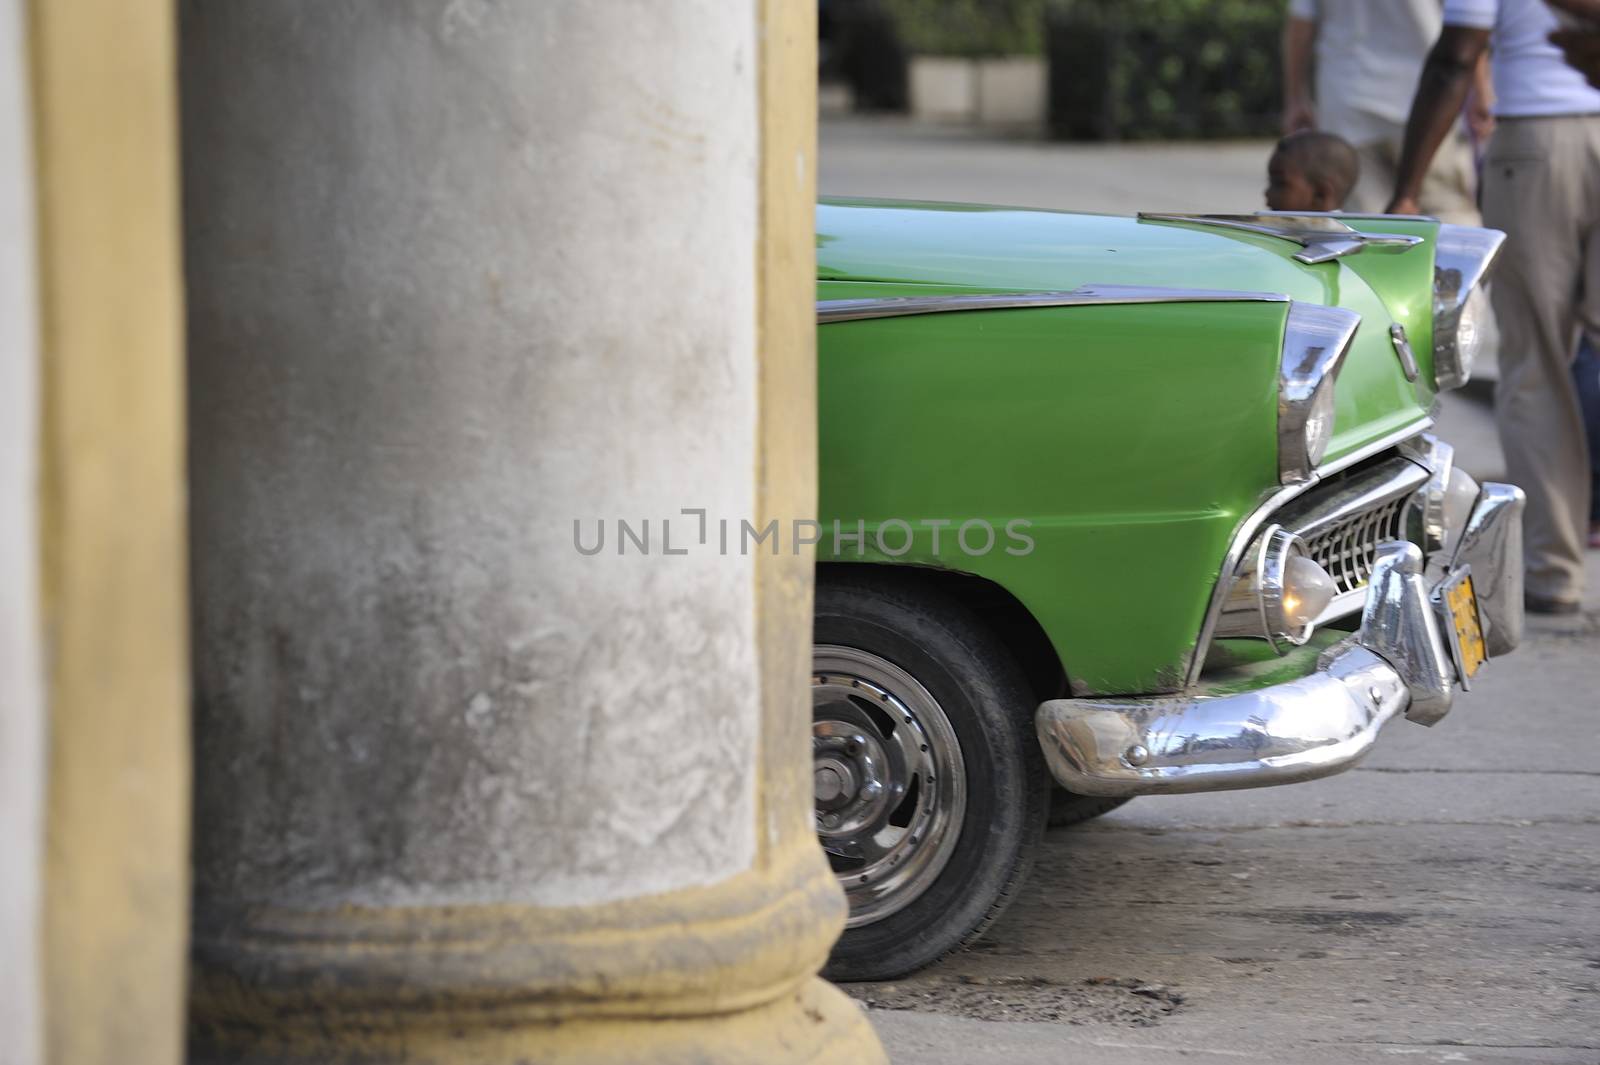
x=1348, y=549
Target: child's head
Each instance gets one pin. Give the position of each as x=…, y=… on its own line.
x=1311, y=171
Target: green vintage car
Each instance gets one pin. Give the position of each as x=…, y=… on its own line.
x=1125, y=506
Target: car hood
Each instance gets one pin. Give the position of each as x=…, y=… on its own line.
x=1016, y=248
x=891, y=245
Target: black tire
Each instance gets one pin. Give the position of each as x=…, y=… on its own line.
x=977, y=687
x=1070, y=808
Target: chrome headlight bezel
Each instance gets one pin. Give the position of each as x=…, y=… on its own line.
x=1316, y=340
x=1462, y=258
x=1257, y=605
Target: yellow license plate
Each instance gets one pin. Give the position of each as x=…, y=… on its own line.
x=1461, y=606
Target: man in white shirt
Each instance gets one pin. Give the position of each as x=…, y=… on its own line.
x=1367, y=55
x=1542, y=186
x=1581, y=48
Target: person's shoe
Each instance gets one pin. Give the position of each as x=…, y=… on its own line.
x=1542, y=604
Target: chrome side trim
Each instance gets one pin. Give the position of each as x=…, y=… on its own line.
x=1322, y=236
x=1461, y=260
x=1245, y=534
x=1403, y=352
x=1315, y=341
x=852, y=310
x=1383, y=443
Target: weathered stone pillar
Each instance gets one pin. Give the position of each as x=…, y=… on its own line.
x=461, y=276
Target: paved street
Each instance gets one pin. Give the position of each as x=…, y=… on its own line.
x=1439, y=904
x=890, y=157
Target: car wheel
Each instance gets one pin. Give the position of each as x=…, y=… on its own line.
x=1070, y=808
x=931, y=790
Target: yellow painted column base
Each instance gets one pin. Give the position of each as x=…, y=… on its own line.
x=711, y=975
x=815, y=1024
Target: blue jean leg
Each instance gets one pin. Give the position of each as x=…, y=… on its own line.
x=1586, y=374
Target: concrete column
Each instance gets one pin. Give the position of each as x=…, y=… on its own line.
x=467, y=279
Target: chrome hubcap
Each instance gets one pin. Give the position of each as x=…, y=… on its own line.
x=889, y=780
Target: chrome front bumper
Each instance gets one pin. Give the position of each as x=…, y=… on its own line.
x=1397, y=662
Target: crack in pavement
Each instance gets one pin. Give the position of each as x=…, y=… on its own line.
x=1121, y=1001
x=1513, y=822
x=1453, y=1043
x=1484, y=772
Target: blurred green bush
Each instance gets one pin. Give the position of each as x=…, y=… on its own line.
x=970, y=27
x=1123, y=69
x=1168, y=69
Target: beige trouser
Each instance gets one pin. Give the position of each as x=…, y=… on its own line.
x=1449, y=192
x=1541, y=184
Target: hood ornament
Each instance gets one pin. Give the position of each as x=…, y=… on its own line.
x=1322, y=236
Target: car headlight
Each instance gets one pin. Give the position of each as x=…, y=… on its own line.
x=1305, y=590
x=1461, y=260
x=1278, y=591
x=1315, y=342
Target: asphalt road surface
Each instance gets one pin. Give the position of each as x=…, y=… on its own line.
x=894, y=158
x=1441, y=903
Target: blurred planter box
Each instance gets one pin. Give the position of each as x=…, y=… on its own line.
x=1012, y=91
x=1004, y=92
x=944, y=88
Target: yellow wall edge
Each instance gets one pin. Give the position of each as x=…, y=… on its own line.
x=112, y=530
x=786, y=405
